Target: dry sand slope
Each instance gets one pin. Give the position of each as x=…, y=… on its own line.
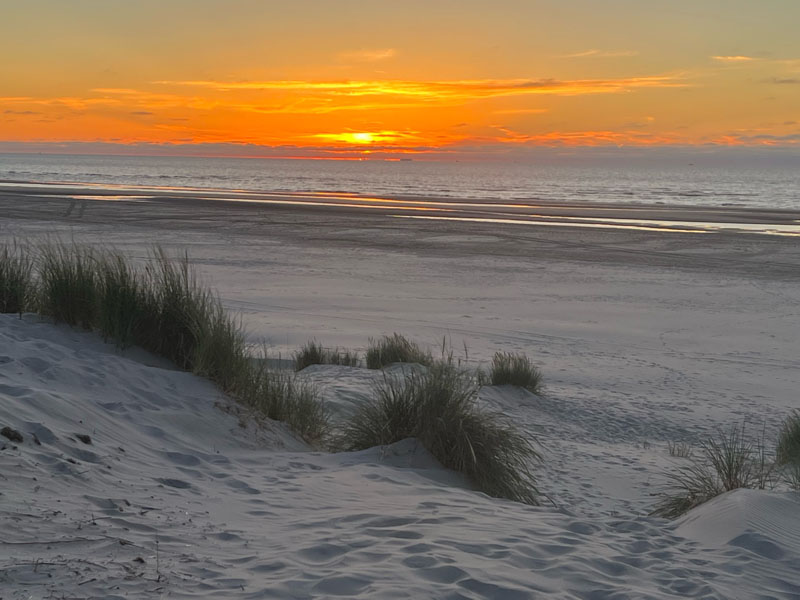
x=174, y=498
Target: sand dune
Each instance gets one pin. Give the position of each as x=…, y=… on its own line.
x=176, y=496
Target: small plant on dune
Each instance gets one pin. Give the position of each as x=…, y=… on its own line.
x=510, y=368
x=395, y=348
x=728, y=462
x=280, y=396
x=221, y=350
x=68, y=284
x=679, y=449
x=788, y=449
x=164, y=309
x=314, y=353
x=121, y=299
x=16, y=281
x=438, y=406
x=178, y=305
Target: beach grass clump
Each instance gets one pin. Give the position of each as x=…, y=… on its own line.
x=280, y=396
x=177, y=309
x=68, y=284
x=728, y=462
x=221, y=351
x=679, y=449
x=122, y=296
x=788, y=449
x=438, y=406
x=511, y=368
x=164, y=309
x=16, y=279
x=395, y=348
x=313, y=353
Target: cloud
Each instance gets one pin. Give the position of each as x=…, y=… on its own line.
x=468, y=89
x=786, y=81
x=369, y=137
x=142, y=113
x=601, y=54
x=734, y=59
x=555, y=147
x=365, y=55
x=21, y=112
x=521, y=111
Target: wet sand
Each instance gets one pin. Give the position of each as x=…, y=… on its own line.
x=737, y=240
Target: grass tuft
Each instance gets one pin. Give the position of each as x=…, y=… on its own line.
x=438, y=406
x=314, y=353
x=16, y=279
x=788, y=450
x=177, y=308
x=164, y=309
x=395, y=348
x=121, y=300
x=510, y=368
x=68, y=288
x=679, y=449
x=728, y=462
x=281, y=397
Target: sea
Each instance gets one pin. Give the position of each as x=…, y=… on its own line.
x=764, y=187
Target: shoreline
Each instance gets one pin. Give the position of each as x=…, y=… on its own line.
x=596, y=215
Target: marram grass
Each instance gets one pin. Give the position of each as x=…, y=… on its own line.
x=395, y=348
x=438, y=406
x=729, y=461
x=16, y=278
x=509, y=368
x=314, y=353
x=162, y=308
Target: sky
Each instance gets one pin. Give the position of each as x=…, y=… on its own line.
x=389, y=79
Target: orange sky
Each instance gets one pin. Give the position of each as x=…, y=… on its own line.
x=358, y=78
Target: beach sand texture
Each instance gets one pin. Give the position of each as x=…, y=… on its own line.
x=644, y=338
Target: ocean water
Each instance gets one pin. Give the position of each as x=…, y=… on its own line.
x=759, y=187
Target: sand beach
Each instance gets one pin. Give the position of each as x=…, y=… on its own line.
x=645, y=338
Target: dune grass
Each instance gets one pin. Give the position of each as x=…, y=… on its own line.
x=788, y=450
x=313, y=353
x=16, y=279
x=438, y=406
x=730, y=461
x=163, y=308
x=395, y=348
x=68, y=284
x=679, y=449
x=280, y=396
x=509, y=368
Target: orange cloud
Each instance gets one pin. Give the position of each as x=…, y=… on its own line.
x=367, y=137
x=460, y=89
x=368, y=55
x=602, y=54
x=734, y=59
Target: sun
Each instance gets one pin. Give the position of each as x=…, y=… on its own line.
x=360, y=138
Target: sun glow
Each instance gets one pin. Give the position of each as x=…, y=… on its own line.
x=358, y=138
x=282, y=84
x=363, y=138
